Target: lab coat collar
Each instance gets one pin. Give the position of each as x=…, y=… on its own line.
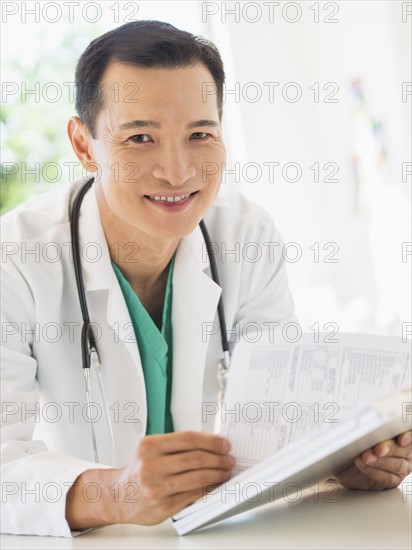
x=195, y=300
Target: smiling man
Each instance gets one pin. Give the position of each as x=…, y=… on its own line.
x=151, y=153
x=152, y=143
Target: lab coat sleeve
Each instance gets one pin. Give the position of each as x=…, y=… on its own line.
x=35, y=481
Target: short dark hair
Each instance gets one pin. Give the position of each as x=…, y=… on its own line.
x=142, y=44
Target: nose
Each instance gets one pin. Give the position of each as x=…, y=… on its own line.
x=174, y=165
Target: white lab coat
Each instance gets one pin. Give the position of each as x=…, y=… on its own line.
x=41, y=359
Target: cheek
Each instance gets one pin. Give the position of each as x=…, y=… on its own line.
x=126, y=176
x=211, y=165
x=120, y=196
x=135, y=172
x=117, y=161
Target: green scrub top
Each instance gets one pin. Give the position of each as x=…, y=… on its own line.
x=156, y=353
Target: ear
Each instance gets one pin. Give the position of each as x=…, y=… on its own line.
x=80, y=139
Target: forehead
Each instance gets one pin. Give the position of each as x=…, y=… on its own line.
x=133, y=92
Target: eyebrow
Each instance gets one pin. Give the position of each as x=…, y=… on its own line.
x=154, y=124
x=198, y=123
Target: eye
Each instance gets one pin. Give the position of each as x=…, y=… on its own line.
x=140, y=138
x=199, y=135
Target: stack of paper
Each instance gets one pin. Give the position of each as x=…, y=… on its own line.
x=296, y=414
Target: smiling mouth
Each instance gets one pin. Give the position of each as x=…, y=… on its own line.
x=169, y=198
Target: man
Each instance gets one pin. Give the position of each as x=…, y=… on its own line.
x=152, y=140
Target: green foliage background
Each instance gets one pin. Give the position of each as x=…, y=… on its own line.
x=33, y=129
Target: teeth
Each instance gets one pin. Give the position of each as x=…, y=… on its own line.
x=169, y=199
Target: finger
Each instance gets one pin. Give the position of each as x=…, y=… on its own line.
x=404, y=439
x=398, y=466
x=381, y=478
x=182, y=441
x=386, y=448
x=391, y=448
x=177, y=502
x=197, y=480
x=195, y=460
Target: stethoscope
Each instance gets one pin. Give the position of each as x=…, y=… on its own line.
x=90, y=354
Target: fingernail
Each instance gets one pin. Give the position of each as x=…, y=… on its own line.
x=232, y=459
x=370, y=459
x=385, y=450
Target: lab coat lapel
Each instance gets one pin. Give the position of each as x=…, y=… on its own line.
x=99, y=275
x=121, y=370
x=195, y=299
x=194, y=303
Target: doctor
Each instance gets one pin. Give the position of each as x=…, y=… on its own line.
x=153, y=142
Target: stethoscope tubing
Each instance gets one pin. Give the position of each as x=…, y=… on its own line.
x=90, y=354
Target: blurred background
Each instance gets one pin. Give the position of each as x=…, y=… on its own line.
x=317, y=123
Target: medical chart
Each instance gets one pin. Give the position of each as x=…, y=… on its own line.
x=277, y=394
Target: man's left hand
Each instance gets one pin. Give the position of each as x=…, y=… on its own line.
x=383, y=467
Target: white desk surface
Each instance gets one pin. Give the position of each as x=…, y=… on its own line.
x=358, y=520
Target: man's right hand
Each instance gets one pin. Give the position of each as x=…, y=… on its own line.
x=166, y=473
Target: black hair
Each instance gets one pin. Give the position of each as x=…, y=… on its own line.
x=142, y=44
